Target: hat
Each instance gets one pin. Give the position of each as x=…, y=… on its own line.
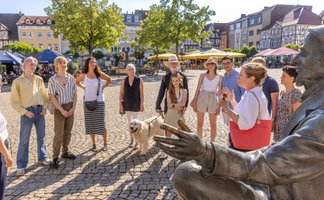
x=171, y=59
x=211, y=59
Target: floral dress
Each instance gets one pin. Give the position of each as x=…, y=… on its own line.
x=284, y=110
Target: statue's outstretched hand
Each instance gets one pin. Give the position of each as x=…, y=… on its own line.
x=187, y=147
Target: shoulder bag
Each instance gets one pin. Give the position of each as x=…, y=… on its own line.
x=256, y=137
x=92, y=105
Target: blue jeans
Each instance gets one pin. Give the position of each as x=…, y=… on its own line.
x=26, y=125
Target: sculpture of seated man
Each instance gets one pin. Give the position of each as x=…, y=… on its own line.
x=293, y=168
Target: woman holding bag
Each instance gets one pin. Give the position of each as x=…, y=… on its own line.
x=205, y=99
x=253, y=105
x=93, y=81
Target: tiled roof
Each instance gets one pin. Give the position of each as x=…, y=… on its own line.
x=33, y=20
x=9, y=20
x=301, y=15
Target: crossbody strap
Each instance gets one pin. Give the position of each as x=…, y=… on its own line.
x=98, y=88
x=259, y=107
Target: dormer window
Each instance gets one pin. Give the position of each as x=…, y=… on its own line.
x=129, y=18
x=38, y=21
x=136, y=18
x=49, y=21
x=27, y=21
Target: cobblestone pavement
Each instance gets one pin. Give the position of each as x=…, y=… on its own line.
x=118, y=173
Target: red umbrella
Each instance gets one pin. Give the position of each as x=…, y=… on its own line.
x=282, y=51
x=262, y=53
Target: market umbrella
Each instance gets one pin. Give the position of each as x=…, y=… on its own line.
x=262, y=53
x=9, y=58
x=281, y=52
x=48, y=56
x=164, y=56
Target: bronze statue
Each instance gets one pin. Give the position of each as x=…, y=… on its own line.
x=293, y=168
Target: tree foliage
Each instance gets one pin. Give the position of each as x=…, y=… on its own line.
x=293, y=46
x=152, y=33
x=249, y=51
x=22, y=48
x=98, y=54
x=185, y=20
x=87, y=24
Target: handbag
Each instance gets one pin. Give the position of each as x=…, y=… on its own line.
x=92, y=105
x=256, y=137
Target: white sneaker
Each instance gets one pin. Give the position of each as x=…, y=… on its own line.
x=46, y=162
x=20, y=172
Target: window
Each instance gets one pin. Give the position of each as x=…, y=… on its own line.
x=30, y=35
x=250, y=44
x=27, y=21
x=232, y=27
x=258, y=43
x=259, y=20
x=129, y=18
x=49, y=21
x=238, y=25
x=251, y=33
x=24, y=34
x=258, y=31
x=38, y=21
x=136, y=18
x=40, y=35
x=252, y=21
x=49, y=35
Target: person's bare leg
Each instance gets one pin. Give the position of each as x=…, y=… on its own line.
x=213, y=126
x=164, y=155
x=200, y=123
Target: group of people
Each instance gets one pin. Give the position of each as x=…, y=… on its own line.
x=234, y=95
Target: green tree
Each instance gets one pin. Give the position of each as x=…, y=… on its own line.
x=98, y=54
x=73, y=66
x=87, y=24
x=253, y=50
x=152, y=33
x=21, y=48
x=292, y=46
x=185, y=20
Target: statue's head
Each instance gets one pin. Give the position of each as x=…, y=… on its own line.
x=310, y=61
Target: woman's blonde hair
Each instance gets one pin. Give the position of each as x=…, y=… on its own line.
x=58, y=60
x=129, y=66
x=257, y=70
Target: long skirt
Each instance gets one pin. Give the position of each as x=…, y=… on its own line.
x=95, y=122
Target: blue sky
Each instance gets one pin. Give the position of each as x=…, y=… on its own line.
x=226, y=11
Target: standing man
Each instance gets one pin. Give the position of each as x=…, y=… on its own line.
x=270, y=89
x=29, y=98
x=230, y=82
x=173, y=65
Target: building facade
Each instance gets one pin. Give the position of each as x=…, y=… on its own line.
x=36, y=31
x=132, y=22
x=8, y=29
x=291, y=28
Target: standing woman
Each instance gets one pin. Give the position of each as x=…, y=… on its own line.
x=62, y=93
x=205, y=99
x=29, y=98
x=5, y=157
x=245, y=113
x=289, y=100
x=93, y=81
x=131, y=96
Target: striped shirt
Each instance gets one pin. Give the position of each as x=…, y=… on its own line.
x=63, y=93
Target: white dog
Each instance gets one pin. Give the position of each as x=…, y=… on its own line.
x=144, y=130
